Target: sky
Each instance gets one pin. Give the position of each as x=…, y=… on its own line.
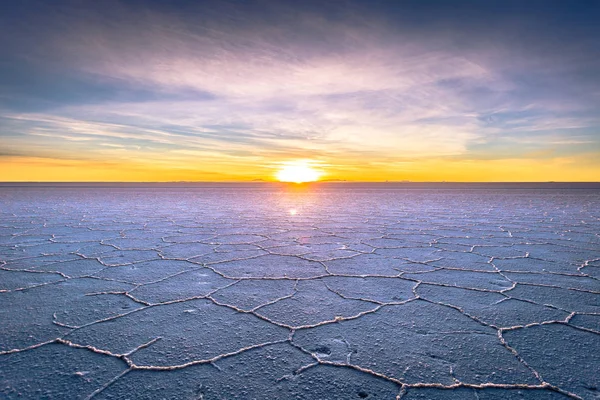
x=358, y=90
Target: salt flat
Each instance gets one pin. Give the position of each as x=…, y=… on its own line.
x=319, y=292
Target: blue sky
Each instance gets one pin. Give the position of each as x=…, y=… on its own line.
x=231, y=90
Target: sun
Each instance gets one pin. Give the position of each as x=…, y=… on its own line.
x=298, y=172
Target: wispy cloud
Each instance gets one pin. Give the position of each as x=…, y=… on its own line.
x=277, y=81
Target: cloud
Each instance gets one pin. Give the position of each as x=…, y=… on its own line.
x=276, y=81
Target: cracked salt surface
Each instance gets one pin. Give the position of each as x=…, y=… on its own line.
x=222, y=293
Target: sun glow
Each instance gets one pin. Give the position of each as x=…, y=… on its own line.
x=298, y=172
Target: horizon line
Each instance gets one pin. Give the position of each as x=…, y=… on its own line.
x=298, y=183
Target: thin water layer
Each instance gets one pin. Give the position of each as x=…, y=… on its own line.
x=332, y=291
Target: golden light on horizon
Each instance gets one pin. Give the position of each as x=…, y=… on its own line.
x=298, y=172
